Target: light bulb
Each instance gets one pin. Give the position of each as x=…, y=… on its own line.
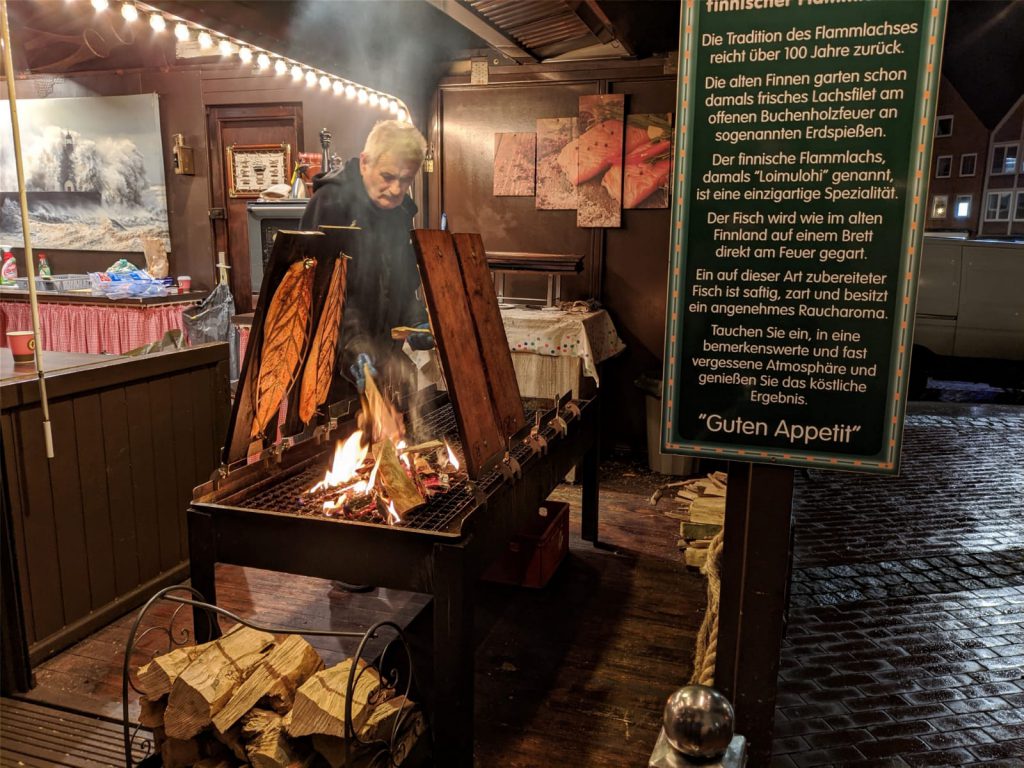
x=181, y=31
x=338, y=87
x=393, y=106
x=325, y=82
x=263, y=61
x=280, y=67
x=100, y=5
x=374, y=98
x=129, y=12
x=226, y=47
x=350, y=91
x=362, y=95
x=401, y=114
x=157, y=22
x=296, y=72
x=310, y=78
x=245, y=54
x=205, y=40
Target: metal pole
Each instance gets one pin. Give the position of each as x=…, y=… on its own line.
x=29, y=268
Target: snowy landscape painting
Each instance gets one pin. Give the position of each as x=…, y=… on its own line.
x=94, y=173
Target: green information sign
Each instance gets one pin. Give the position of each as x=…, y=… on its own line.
x=802, y=156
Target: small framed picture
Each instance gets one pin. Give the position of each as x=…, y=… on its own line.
x=254, y=167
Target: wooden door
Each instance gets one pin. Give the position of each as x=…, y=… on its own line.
x=239, y=125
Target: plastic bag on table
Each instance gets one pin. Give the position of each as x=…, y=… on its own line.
x=171, y=339
x=210, y=320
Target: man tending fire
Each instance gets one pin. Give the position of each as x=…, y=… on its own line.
x=371, y=192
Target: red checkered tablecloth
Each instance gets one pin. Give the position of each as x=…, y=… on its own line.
x=92, y=328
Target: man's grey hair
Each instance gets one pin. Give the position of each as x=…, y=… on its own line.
x=402, y=140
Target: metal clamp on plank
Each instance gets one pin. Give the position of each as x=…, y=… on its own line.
x=510, y=467
x=537, y=443
x=573, y=408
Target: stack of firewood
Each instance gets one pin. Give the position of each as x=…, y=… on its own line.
x=700, y=510
x=255, y=700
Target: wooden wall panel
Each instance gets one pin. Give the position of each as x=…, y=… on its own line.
x=68, y=518
x=100, y=526
x=626, y=266
x=92, y=478
x=471, y=118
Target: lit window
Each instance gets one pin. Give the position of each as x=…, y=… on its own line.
x=944, y=126
x=944, y=167
x=939, y=205
x=1018, y=213
x=967, y=163
x=962, y=209
x=1004, y=159
x=997, y=207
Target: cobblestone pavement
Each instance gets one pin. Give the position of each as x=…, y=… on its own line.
x=906, y=638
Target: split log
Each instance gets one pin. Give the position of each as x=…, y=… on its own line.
x=380, y=725
x=691, y=531
x=214, y=762
x=709, y=509
x=400, y=488
x=411, y=733
x=320, y=701
x=232, y=741
x=179, y=753
x=283, y=670
x=267, y=745
x=721, y=477
x=151, y=712
x=206, y=685
x=156, y=678
x=695, y=558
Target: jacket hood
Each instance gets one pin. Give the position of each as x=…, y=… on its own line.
x=349, y=177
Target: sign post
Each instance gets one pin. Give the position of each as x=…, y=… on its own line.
x=802, y=155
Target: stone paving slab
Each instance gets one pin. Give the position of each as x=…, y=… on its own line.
x=905, y=644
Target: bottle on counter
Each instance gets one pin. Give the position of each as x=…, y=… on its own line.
x=44, y=266
x=9, y=269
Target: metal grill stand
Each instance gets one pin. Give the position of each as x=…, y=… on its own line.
x=442, y=561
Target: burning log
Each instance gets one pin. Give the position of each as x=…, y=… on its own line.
x=274, y=680
x=320, y=701
x=206, y=685
x=399, y=486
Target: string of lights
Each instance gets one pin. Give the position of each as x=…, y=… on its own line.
x=263, y=60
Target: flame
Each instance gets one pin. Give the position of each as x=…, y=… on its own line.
x=393, y=516
x=348, y=458
x=451, y=457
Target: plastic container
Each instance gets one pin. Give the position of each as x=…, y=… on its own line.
x=663, y=463
x=535, y=553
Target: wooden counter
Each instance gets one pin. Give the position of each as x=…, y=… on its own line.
x=56, y=297
x=101, y=526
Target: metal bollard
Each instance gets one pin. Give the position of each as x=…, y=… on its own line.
x=698, y=730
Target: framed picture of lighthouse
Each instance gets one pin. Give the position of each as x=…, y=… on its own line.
x=94, y=173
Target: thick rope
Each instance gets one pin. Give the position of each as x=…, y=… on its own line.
x=707, y=637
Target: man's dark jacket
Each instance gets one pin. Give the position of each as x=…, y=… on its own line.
x=382, y=276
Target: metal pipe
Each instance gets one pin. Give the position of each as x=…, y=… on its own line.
x=33, y=300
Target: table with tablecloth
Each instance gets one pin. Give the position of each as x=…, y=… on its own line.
x=553, y=351
x=100, y=327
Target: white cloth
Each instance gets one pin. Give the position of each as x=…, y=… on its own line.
x=591, y=337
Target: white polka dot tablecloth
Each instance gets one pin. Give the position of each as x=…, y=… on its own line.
x=591, y=337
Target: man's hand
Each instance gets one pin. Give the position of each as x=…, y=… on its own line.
x=422, y=340
x=358, y=368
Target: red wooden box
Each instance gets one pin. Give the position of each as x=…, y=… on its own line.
x=534, y=554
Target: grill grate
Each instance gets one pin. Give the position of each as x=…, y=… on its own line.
x=440, y=513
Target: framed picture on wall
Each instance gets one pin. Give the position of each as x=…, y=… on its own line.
x=252, y=168
x=94, y=173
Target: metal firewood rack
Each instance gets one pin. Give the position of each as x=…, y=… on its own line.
x=393, y=663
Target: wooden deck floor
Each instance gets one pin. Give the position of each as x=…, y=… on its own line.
x=572, y=675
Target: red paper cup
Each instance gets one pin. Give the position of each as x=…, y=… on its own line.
x=184, y=283
x=23, y=346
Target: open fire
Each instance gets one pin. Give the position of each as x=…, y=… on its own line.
x=376, y=476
